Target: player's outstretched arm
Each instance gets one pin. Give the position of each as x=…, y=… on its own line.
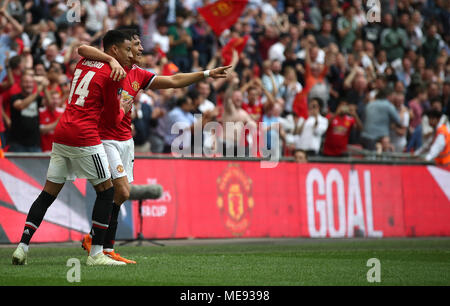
x=92, y=53
x=186, y=79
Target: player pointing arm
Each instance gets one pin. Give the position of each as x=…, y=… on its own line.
x=77, y=149
x=118, y=141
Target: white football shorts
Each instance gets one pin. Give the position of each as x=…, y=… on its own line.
x=68, y=163
x=120, y=157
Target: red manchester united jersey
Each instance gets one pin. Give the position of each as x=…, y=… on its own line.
x=136, y=79
x=48, y=117
x=92, y=94
x=337, y=135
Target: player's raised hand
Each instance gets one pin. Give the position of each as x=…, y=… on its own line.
x=117, y=71
x=219, y=72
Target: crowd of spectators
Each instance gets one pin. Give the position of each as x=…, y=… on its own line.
x=314, y=76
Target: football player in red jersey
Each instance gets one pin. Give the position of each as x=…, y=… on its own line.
x=118, y=142
x=77, y=149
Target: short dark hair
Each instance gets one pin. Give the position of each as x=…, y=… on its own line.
x=436, y=99
x=181, y=12
x=182, y=100
x=14, y=61
x=434, y=114
x=342, y=100
x=193, y=94
x=133, y=33
x=319, y=101
x=384, y=93
x=114, y=37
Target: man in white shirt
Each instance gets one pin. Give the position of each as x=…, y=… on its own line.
x=276, y=51
x=96, y=11
x=308, y=133
x=428, y=131
x=398, y=133
x=440, y=147
x=269, y=11
x=161, y=38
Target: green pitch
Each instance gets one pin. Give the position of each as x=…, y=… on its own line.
x=283, y=262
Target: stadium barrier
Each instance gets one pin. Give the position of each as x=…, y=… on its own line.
x=238, y=198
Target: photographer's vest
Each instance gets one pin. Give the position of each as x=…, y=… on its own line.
x=444, y=156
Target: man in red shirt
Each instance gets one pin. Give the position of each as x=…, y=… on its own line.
x=339, y=127
x=118, y=141
x=253, y=106
x=48, y=119
x=77, y=149
x=10, y=86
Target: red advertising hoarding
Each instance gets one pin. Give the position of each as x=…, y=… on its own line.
x=242, y=199
x=224, y=199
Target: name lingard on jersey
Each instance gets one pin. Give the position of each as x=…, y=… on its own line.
x=94, y=64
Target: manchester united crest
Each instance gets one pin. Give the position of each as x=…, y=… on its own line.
x=222, y=8
x=235, y=199
x=135, y=85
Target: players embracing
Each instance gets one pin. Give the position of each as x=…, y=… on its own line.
x=116, y=148
x=77, y=150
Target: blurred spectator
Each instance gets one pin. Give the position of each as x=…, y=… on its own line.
x=431, y=46
x=393, y=38
x=276, y=51
x=398, y=133
x=384, y=145
x=268, y=37
x=308, y=132
x=204, y=90
x=336, y=77
x=180, y=41
x=339, y=128
x=235, y=120
x=202, y=40
x=440, y=146
x=253, y=100
x=427, y=129
x=381, y=62
x=315, y=78
x=446, y=97
x=160, y=37
x=416, y=107
x=96, y=11
x=141, y=115
x=11, y=86
x=379, y=115
x=326, y=37
x=356, y=85
x=48, y=119
x=272, y=78
x=25, y=135
x=166, y=100
x=147, y=23
x=300, y=156
x=274, y=131
x=51, y=55
x=10, y=30
x=206, y=109
x=405, y=72
x=347, y=28
x=181, y=116
x=289, y=89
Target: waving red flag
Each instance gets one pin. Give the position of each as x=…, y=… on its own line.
x=238, y=44
x=222, y=14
